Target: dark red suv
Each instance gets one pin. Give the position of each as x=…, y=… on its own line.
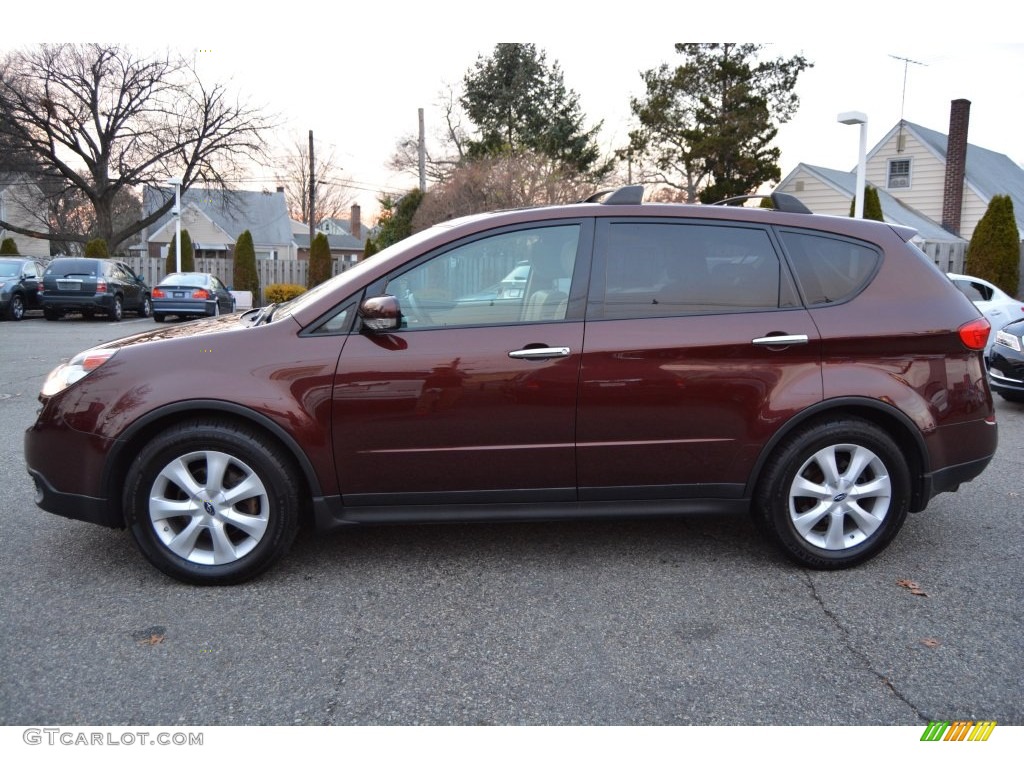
x=646, y=360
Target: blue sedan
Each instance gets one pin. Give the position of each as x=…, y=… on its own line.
x=191, y=294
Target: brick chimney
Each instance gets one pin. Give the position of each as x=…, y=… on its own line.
x=354, y=223
x=956, y=165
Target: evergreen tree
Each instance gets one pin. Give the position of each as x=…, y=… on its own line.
x=246, y=276
x=395, y=221
x=707, y=125
x=519, y=102
x=872, y=205
x=97, y=249
x=8, y=247
x=994, y=250
x=188, y=254
x=319, y=261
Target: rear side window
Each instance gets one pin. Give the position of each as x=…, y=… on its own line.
x=655, y=269
x=974, y=291
x=829, y=269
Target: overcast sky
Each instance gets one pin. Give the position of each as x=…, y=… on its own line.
x=355, y=74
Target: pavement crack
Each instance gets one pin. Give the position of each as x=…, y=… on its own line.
x=866, y=661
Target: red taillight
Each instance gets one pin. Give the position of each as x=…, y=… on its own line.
x=101, y=286
x=199, y=293
x=158, y=293
x=974, y=334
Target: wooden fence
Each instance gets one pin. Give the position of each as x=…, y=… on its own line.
x=152, y=270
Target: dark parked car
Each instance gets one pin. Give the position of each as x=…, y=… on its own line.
x=19, y=286
x=191, y=294
x=75, y=284
x=818, y=371
x=1006, y=362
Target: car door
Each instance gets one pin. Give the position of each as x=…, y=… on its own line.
x=472, y=401
x=31, y=277
x=696, y=350
x=130, y=285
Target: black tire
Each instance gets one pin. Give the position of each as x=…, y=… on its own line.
x=146, y=308
x=248, y=534
x=158, y=317
x=117, y=311
x=51, y=314
x=1012, y=397
x=16, y=309
x=822, y=522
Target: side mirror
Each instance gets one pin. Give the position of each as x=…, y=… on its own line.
x=381, y=314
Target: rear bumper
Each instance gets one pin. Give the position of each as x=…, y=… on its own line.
x=199, y=309
x=103, y=302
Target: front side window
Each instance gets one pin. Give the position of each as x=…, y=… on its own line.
x=515, y=277
x=665, y=269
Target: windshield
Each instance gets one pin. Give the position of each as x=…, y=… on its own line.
x=185, y=278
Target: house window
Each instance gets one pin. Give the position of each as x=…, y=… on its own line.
x=899, y=174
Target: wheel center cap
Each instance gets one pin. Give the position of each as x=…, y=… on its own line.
x=839, y=497
x=209, y=508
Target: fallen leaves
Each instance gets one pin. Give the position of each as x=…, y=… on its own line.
x=930, y=642
x=913, y=586
x=153, y=639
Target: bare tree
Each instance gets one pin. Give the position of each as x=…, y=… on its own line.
x=334, y=193
x=100, y=120
x=446, y=152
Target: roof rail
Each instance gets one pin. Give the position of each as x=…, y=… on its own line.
x=631, y=195
x=780, y=202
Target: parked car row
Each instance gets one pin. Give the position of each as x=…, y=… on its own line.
x=105, y=287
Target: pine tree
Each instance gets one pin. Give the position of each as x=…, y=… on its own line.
x=246, y=276
x=994, y=251
x=872, y=205
x=8, y=247
x=319, y=261
x=188, y=254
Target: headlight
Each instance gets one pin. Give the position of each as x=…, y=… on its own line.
x=1008, y=340
x=81, y=365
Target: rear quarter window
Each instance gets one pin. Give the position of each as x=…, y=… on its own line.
x=829, y=269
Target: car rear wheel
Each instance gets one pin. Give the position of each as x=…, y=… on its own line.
x=146, y=309
x=158, y=317
x=117, y=311
x=16, y=309
x=212, y=502
x=834, y=494
x=51, y=314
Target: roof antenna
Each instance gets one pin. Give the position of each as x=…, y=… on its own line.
x=900, y=141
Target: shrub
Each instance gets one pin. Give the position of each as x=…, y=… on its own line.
x=246, y=276
x=97, y=249
x=994, y=250
x=872, y=205
x=8, y=247
x=188, y=254
x=278, y=292
x=319, y=261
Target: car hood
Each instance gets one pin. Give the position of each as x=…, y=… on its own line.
x=203, y=327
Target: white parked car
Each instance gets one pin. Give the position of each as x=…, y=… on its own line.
x=999, y=307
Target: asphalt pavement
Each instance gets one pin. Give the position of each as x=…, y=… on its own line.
x=687, y=621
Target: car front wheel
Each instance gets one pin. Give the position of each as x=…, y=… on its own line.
x=212, y=502
x=834, y=494
x=146, y=309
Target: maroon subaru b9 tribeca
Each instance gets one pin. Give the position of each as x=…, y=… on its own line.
x=609, y=358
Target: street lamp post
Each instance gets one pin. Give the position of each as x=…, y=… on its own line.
x=177, y=222
x=858, y=118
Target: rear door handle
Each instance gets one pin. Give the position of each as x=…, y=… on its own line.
x=539, y=353
x=780, y=341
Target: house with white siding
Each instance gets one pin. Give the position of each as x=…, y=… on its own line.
x=21, y=202
x=937, y=183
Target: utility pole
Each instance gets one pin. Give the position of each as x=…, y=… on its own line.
x=422, y=152
x=312, y=195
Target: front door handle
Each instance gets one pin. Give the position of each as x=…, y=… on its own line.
x=539, y=353
x=779, y=341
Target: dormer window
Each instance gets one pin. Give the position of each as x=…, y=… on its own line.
x=899, y=174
